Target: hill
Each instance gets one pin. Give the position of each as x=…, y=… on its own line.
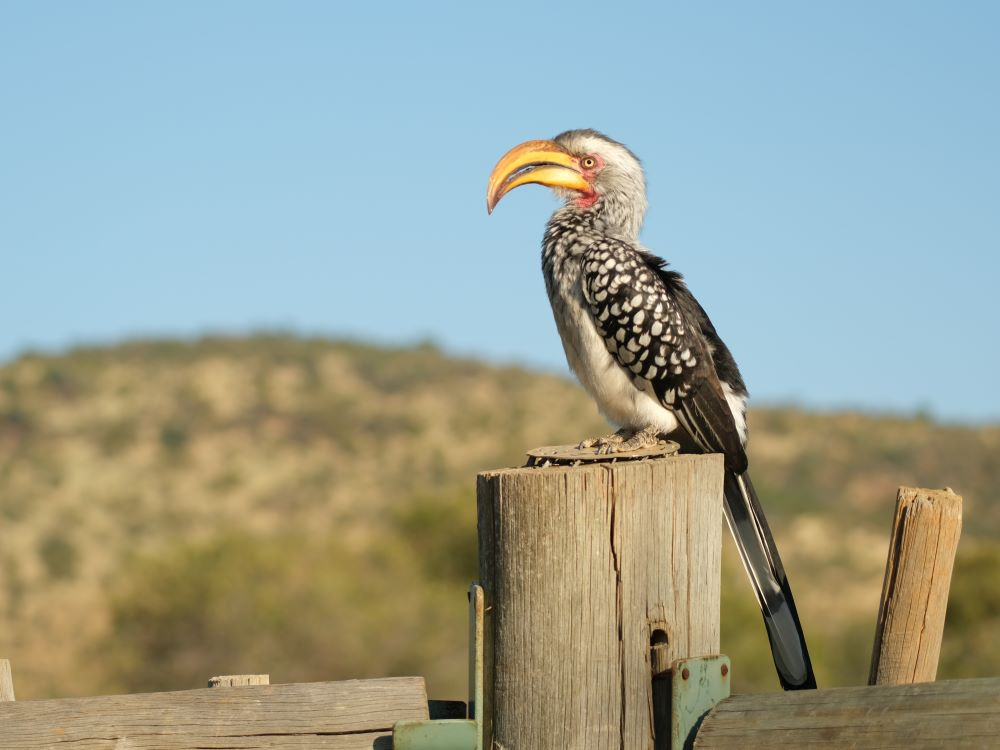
x=172, y=510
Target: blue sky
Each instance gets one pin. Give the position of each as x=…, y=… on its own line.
x=826, y=175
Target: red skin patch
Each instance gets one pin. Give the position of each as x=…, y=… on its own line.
x=586, y=200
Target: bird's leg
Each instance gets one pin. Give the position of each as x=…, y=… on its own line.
x=615, y=438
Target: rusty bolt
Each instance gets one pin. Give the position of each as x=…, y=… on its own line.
x=725, y=669
x=685, y=673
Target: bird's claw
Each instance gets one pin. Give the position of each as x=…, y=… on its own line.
x=605, y=444
x=605, y=449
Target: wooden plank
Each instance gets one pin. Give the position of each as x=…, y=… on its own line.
x=237, y=680
x=925, y=533
x=363, y=741
x=925, y=716
x=6, y=681
x=580, y=565
x=304, y=715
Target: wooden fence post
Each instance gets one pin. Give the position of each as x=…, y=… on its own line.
x=925, y=534
x=237, y=680
x=6, y=681
x=583, y=569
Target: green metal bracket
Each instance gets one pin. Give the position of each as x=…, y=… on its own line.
x=453, y=734
x=696, y=685
x=434, y=734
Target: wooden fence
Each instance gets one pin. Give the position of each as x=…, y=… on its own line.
x=596, y=628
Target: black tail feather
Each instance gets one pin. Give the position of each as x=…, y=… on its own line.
x=763, y=565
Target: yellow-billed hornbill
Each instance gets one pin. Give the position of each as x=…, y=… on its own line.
x=645, y=349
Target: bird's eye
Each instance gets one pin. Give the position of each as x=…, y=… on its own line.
x=588, y=162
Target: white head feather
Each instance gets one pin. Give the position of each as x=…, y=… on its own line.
x=620, y=185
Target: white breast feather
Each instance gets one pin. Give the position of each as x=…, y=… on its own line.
x=617, y=397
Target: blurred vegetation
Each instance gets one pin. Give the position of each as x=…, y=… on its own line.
x=59, y=556
x=973, y=619
x=305, y=606
x=304, y=507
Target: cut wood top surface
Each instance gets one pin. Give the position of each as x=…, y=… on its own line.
x=635, y=458
x=234, y=680
x=548, y=455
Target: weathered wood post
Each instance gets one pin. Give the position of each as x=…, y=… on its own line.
x=584, y=567
x=6, y=681
x=925, y=533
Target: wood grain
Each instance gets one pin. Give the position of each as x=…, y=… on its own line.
x=329, y=715
x=925, y=534
x=951, y=714
x=580, y=565
x=6, y=681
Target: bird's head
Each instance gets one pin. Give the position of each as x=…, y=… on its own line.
x=591, y=171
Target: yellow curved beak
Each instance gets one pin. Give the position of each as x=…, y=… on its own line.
x=539, y=162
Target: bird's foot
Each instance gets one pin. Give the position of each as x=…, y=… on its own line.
x=647, y=437
x=624, y=440
x=615, y=438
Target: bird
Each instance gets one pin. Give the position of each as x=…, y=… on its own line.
x=645, y=349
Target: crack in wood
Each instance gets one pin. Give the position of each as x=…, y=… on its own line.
x=619, y=609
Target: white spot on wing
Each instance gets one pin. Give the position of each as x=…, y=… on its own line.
x=738, y=406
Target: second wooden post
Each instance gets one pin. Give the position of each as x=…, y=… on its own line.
x=583, y=568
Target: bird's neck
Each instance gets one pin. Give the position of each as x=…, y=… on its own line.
x=572, y=228
x=570, y=232
x=622, y=213
x=614, y=214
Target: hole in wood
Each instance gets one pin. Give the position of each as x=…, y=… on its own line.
x=658, y=655
x=659, y=663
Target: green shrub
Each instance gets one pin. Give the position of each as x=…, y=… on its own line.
x=440, y=529
x=58, y=554
x=973, y=619
x=174, y=437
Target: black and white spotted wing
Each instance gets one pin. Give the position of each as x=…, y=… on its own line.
x=652, y=326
